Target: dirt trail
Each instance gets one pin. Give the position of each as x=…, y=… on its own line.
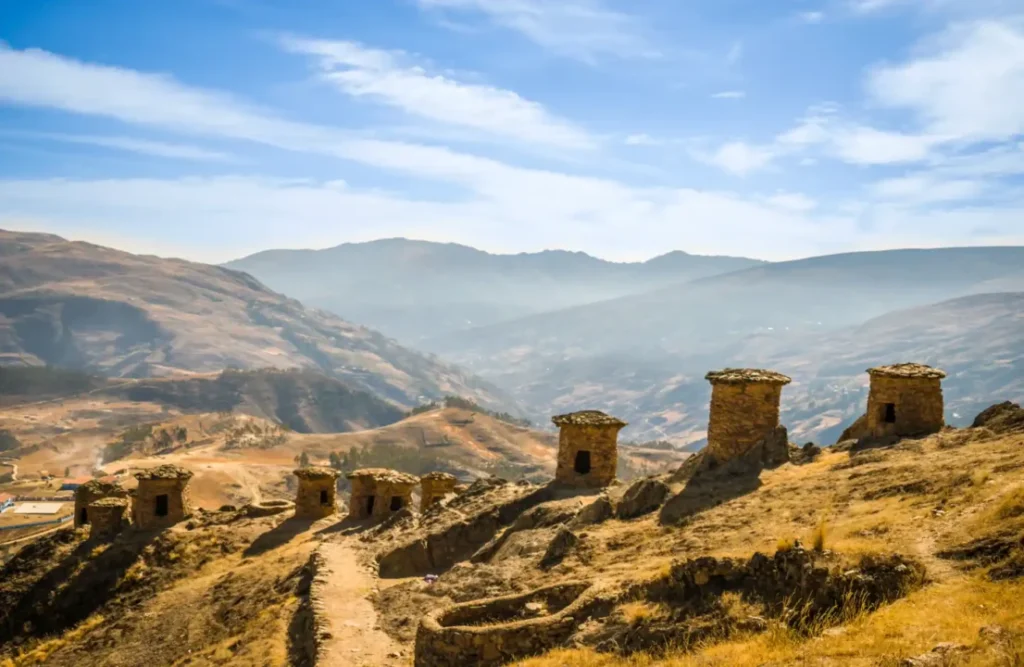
x=351, y=620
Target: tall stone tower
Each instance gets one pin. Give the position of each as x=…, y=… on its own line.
x=744, y=410
x=905, y=399
x=588, y=448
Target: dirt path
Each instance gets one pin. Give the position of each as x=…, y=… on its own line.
x=356, y=640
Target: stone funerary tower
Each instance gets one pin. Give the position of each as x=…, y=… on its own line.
x=588, y=448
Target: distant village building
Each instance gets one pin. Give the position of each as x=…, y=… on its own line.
x=744, y=410
x=317, y=496
x=904, y=400
x=379, y=492
x=162, y=498
x=6, y=500
x=434, y=486
x=108, y=516
x=588, y=448
x=72, y=483
x=91, y=491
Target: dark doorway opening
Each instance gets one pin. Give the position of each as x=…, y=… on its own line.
x=582, y=465
x=163, y=504
x=83, y=516
x=890, y=413
x=396, y=503
x=324, y=499
x=369, y=505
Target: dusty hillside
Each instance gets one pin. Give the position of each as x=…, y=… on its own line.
x=416, y=289
x=906, y=547
x=87, y=307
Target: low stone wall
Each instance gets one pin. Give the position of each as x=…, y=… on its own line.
x=499, y=630
x=268, y=508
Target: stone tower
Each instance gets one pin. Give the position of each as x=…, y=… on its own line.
x=905, y=399
x=434, y=486
x=108, y=517
x=744, y=410
x=317, y=496
x=378, y=492
x=89, y=493
x=162, y=497
x=588, y=448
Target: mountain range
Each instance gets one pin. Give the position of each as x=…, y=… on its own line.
x=83, y=306
x=415, y=290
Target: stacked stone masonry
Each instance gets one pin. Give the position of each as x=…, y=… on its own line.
x=588, y=448
x=108, y=517
x=379, y=492
x=89, y=493
x=496, y=631
x=434, y=486
x=317, y=496
x=904, y=400
x=162, y=498
x=744, y=410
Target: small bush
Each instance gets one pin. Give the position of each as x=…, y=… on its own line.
x=819, y=535
x=1012, y=504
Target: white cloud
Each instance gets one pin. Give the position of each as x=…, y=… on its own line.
x=143, y=146
x=793, y=201
x=925, y=189
x=729, y=95
x=381, y=76
x=737, y=157
x=968, y=85
x=581, y=29
x=869, y=6
x=811, y=17
x=641, y=140
x=866, y=145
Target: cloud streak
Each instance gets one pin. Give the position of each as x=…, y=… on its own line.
x=382, y=76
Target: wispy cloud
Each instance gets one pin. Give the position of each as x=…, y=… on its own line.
x=142, y=146
x=388, y=78
x=730, y=95
x=641, y=140
x=735, y=54
x=811, y=17
x=737, y=157
x=582, y=29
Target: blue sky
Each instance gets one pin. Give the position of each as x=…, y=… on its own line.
x=210, y=129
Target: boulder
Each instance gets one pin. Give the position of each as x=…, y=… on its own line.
x=561, y=545
x=596, y=512
x=643, y=497
x=1003, y=417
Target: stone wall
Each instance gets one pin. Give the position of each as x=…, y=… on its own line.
x=497, y=631
x=144, y=507
x=89, y=493
x=317, y=496
x=108, y=517
x=742, y=415
x=601, y=441
x=434, y=487
x=917, y=406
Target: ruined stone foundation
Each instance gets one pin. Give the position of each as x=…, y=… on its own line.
x=108, y=517
x=162, y=498
x=317, y=496
x=89, y=493
x=435, y=486
x=378, y=492
x=588, y=448
x=744, y=410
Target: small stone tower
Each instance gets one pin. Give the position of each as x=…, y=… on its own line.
x=162, y=497
x=378, y=492
x=434, y=486
x=317, y=496
x=744, y=410
x=905, y=399
x=588, y=448
x=89, y=493
x=108, y=517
